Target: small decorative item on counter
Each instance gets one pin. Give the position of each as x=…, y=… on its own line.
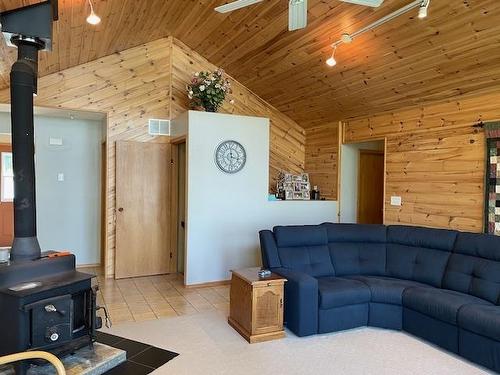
x=315, y=194
x=207, y=90
x=293, y=187
x=264, y=273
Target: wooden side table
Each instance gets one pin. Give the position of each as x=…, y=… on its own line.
x=256, y=305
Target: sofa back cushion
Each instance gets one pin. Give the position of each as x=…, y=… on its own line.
x=419, y=254
x=357, y=249
x=304, y=249
x=474, y=266
x=269, y=250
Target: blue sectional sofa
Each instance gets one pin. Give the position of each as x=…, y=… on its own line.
x=441, y=285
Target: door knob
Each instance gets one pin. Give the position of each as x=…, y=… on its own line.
x=120, y=209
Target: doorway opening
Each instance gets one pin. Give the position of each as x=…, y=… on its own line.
x=362, y=182
x=6, y=192
x=179, y=200
x=69, y=182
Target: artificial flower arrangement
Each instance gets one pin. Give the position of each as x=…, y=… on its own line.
x=208, y=90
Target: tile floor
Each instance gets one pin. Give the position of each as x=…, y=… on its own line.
x=142, y=358
x=155, y=297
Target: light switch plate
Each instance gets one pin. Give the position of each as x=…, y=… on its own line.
x=55, y=141
x=396, y=201
x=60, y=177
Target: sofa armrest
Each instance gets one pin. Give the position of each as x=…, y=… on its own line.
x=301, y=302
x=269, y=250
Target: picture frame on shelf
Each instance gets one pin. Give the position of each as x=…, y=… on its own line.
x=294, y=187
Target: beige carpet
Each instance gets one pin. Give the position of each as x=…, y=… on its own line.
x=207, y=345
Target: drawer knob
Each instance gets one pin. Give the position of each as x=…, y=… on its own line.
x=54, y=337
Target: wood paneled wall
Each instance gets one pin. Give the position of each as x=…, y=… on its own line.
x=130, y=87
x=287, y=138
x=435, y=160
x=149, y=81
x=321, y=160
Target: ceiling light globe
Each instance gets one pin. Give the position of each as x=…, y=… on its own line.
x=331, y=61
x=93, y=19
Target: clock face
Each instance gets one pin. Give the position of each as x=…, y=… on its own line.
x=230, y=157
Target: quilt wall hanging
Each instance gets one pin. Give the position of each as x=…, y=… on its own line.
x=492, y=179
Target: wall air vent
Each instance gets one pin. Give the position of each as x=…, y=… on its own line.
x=159, y=127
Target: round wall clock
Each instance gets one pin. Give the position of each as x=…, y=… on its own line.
x=230, y=156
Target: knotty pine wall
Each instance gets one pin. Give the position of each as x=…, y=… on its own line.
x=130, y=87
x=287, y=138
x=149, y=81
x=434, y=161
x=321, y=158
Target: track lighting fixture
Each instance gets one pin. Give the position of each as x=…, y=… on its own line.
x=422, y=5
x=331, y=61
x=422, y=10
x=93, y=18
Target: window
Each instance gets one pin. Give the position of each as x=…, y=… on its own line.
x=7, y=180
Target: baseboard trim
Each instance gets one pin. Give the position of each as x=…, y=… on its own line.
x=93, y=265
x=209, y=284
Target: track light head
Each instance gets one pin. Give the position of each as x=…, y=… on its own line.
x=93, y=18
x=331, y=62
x=423, y=9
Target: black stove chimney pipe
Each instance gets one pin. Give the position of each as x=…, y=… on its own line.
x=23, y=78
x=30, y=30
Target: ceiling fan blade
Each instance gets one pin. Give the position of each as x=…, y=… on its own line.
x=236, y=5
x=369, y=3
x=297, y=14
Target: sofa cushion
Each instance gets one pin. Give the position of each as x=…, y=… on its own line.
x=481, y=319
x=387, y=289
x=355, y=233
x=441, y=304
x=418, y=254
x=336, y=292
x=304, y=249
x=357, y=249
x=300, y=235
x=474, y=266
x=268, y=249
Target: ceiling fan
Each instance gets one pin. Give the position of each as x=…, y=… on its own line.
x=297, y=9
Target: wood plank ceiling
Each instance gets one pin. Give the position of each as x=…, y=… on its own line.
x=455, y=51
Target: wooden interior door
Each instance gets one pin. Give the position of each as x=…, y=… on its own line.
x=371, y=187
x=143, y=209
x=6, y=209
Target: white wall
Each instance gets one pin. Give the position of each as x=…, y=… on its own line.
x=4, y=123
x=349, y=178
x=68, y=212
x=225, y=212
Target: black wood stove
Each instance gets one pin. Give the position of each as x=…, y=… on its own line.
x=45, y=304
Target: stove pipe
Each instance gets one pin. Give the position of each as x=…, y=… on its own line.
x=23, y=85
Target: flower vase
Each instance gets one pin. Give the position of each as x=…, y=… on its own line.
x=210, y=108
